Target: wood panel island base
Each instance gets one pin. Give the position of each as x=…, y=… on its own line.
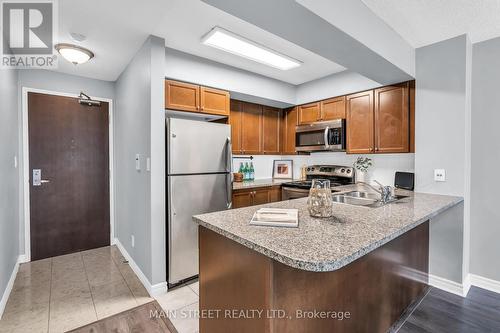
x=242, y=290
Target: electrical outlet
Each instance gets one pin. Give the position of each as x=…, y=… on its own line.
x=132, y=240
x=138, y=162
x=439, y=175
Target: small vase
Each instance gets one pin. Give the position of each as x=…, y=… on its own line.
x=360, y=176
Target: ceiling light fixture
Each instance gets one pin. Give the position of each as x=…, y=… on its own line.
x=235, y=44
x=73, y=53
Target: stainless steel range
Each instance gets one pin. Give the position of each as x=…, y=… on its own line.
x=338, y=175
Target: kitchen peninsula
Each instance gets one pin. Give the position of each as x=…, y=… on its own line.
x=355, y=272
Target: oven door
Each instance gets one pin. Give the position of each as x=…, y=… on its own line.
x=289, y=193
x=325, y=136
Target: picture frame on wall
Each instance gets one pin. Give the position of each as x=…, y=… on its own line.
x=283, y=169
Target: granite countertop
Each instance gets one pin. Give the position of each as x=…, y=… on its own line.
x=259, y=183
x=327, y=244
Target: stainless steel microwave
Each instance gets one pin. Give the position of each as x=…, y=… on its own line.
x=321, y=136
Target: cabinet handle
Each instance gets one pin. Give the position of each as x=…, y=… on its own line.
x=376, y=148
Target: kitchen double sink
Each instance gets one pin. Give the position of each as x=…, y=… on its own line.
x=366, y=199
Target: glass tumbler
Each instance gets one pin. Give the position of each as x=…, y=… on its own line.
x=320, y=202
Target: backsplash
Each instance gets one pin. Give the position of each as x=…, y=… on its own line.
x=383, y=169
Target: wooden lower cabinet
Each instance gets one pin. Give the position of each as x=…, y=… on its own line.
x=256, y=196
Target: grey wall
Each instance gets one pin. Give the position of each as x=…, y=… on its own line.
x=9, y=188
x=186, y=67
x=441, y=127
x=485, y=215
x=55, y=82
x=337, y=84
x=139, y=196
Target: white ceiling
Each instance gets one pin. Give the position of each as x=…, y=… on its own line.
x=116, y=29
x=425, y=22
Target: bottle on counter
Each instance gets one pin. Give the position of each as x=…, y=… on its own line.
x=252, y=171
x=240, y=170
x=246, y=172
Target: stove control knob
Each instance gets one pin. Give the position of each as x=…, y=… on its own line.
x=342, y=170
x=348, y=170
x=308, y=169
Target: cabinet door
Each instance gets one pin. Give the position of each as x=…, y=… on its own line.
x=261, y=196
x=289, y=122
x=270, y=130
x=251, y=128
x=242, y=198
x=333, y=108
x=235, y=122
x=360, y=122
x=182, y=96
x=214, y=101
x=309, y=113
x=392, y=119
x=275, y=194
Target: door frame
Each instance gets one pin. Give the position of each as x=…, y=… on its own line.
x=25, y=174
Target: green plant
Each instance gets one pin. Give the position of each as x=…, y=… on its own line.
x=363, y=164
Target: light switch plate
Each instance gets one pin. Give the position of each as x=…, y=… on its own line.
x=15, y=162
x=439, y=175
x=138, y=162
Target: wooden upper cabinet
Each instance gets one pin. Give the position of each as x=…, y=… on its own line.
x=182, y=96
x=333, y=108
x=309, y=113
x=289, y=123
x=214, y=101
x=235, y=122
x=194, y=98
x=360, y=123
x=251, y=128
x=392, y=119
x=270, y=130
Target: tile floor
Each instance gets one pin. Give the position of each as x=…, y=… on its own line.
x=66, y=292
x=181, y=306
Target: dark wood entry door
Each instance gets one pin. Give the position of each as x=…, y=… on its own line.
x=69, y=144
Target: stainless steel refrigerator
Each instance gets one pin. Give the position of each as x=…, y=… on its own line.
x=199, y=180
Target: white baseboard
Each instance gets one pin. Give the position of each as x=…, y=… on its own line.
x=485, y=283
x=10, y=285
x=153, y=290
x=448, y=285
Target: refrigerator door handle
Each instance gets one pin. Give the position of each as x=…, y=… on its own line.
x=229, y=176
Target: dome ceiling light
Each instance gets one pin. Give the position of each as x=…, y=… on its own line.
x=73, y=53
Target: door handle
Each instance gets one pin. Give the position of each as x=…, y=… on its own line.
x=327, y=145
x=37, y=178
x=43, y=181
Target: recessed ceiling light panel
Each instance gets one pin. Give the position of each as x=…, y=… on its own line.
x=235, y=44
x=73, y=53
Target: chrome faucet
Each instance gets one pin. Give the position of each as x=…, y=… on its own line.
x=384, y=191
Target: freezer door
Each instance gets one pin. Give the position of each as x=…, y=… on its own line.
x=190, y=195
x=197, y=147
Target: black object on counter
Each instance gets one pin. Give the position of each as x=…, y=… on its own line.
x=404, y=180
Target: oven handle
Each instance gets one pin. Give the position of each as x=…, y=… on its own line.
x=327, y=129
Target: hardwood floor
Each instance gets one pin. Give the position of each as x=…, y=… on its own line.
x=138, y=319
x=440, y=311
